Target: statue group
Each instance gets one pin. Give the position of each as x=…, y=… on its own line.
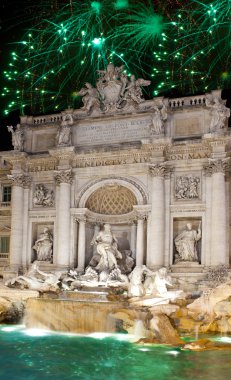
x=108, y=257
x=114, y=91
x=108, y=267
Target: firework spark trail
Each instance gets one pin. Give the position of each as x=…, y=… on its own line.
x=182, y=45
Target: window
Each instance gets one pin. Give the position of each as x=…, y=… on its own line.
x=4, y=246
x=6, y=194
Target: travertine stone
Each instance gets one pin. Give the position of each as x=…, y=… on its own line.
x=109, y=163
x=155, y=257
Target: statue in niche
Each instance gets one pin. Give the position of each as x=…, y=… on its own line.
x=43, y=196
x=187, y=187
x=185, y=244
x=64, y=133
x=219, y=113
x=107, y=252
x=17, y=137
x=91, y=97
x=44, y=246
x=158, y=117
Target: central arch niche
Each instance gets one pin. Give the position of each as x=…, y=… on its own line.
x=111, y=200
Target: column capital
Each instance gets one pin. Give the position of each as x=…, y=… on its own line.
x=81, y=218
x=63, y=176
x=158, y=170
x=80, y=215
x=141, y=213
x=21, y=180
x=216, y=166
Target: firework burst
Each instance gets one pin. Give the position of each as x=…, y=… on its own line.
x=178, y=45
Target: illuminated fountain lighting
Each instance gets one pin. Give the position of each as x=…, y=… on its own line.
x=223, y=339
x=11, y=328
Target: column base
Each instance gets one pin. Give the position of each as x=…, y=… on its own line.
x=80, y=270
x=9, y=273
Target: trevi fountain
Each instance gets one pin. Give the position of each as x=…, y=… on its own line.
x=115, y=238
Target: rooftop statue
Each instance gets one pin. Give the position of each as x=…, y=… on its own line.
x=159, y=115
x=17, y=137
x=64, y=132
x=114, y=91
x=91, y=98
x=219, y=113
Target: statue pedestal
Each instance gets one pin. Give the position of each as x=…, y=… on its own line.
x=10, y=273
x=187, y=267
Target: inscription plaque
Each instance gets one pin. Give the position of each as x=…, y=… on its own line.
x=114, y=131
x=188, y=127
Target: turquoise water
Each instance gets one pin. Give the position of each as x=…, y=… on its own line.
x=32, y=354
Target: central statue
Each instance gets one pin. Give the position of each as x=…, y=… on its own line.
x=106, y=244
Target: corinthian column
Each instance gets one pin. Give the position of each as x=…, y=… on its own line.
x=81, y=219
x=140, y=241
x=63, y=180
x=218, y=213
x=26, y=256
x=155, y=254
x=133, y=239
x=17, y=220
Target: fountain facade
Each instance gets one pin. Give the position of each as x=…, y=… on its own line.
x=120, y=194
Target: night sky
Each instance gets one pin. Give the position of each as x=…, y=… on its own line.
x=15, y=18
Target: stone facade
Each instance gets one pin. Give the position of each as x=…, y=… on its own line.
x=148, y=168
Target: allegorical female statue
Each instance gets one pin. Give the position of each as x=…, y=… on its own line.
x=106, y=244
x=44, y=246
x=185, y=244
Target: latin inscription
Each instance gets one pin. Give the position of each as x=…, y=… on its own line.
x=115, y=131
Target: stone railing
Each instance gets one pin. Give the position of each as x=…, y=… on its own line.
x=4, y=256
x=38, y=120
x=187, y=101
x=5, y=204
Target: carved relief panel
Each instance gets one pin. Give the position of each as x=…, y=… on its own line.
x=187, y=187
x=43, y=196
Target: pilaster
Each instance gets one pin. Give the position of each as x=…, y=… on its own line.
x=18, y=220
x=218, y=212
x=155, y=255
x=63, y=179
x=81, y=220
